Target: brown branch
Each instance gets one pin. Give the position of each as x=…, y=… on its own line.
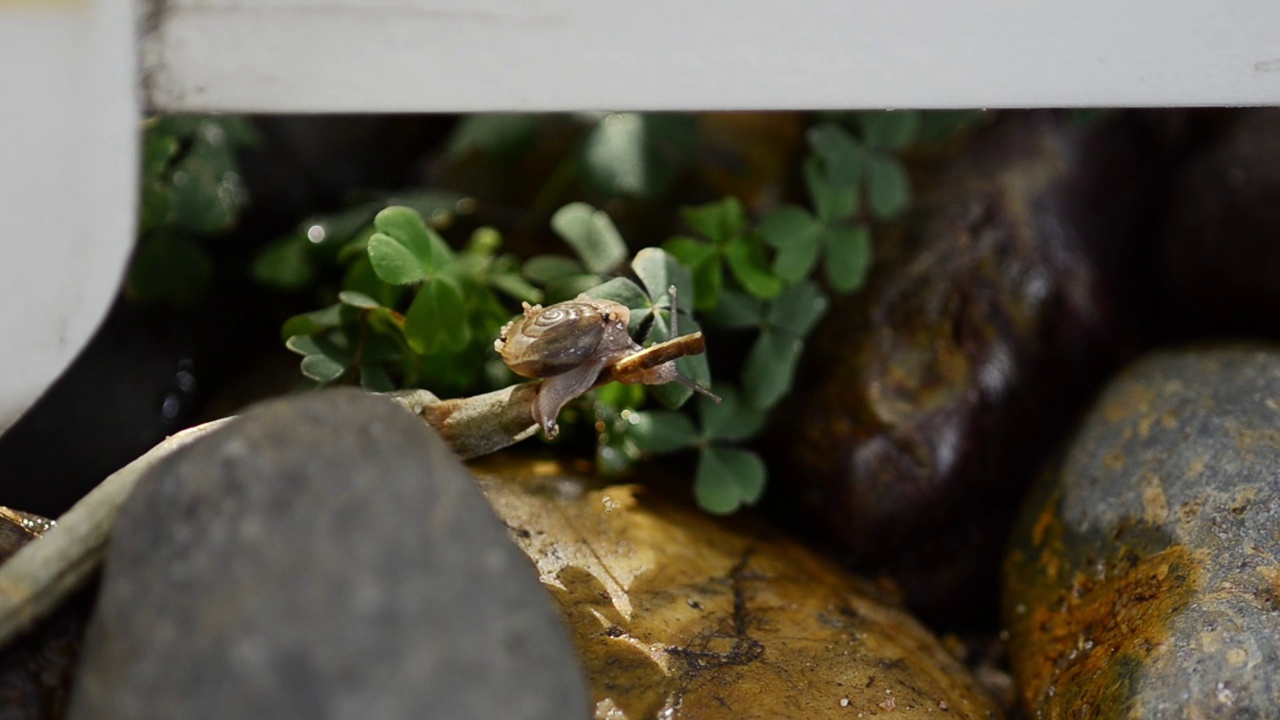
x=44, y=572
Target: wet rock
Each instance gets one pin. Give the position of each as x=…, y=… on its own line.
x=1219, y=252
x=1143, y=579
x=36, y=669
x=927, y=400
x=677, y=615
x=323, y=556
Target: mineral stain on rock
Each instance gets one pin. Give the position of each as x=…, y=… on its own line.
x=1142, y=576
x=677, y=615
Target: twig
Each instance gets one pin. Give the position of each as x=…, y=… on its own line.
x=45, y=571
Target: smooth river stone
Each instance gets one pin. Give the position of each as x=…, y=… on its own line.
x=927, y=401
x=681, y=616
x=322, y=556
x=1143, y=579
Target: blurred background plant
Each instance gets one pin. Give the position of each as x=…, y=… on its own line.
x=413, y=285
x=192, y=192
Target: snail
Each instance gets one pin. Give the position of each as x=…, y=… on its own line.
x=569, y=344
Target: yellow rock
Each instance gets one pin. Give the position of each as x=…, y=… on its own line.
x=677, y=615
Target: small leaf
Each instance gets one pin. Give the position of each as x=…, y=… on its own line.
x=621, y=290
x=451, y=306
x=405, y=226
x=357, y=300
x=206, y=191
x=889, y=130
x=786, y=224
x=305, y=345
x=831, y=201
x=613, y=155
x=731, y=419
x=719, y=221
x=570, y=287
x=797, y=237
x=393, y=262
x=156, y=206
x=750, y=266
x=543, y=269
x=312, y=322
x=888, y=188
x=843, y=157
x=322, y=368
x=484, y=242
x=619, y=396
x=797, y=309
x=435, y=319
x=517, y=287
x=769, y=369
x=939, y=125
x=658, y=270
x=493, y=133
x=703, y=261
x=848, y=257
x=360, y=277
x=375, y=379
x=737, y=310
x=285, y=264
x=660, y=431
x=727, y=479
x=592, y=236
x=158, y=150
x=637, y=154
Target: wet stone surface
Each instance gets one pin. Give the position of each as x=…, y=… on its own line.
x=1143, y=579
x=36, y=669
x=681, y=616
x=322, y=557
x=928, y=400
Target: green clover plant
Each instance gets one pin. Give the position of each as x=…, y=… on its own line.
x=411, y=310
x=191, y=192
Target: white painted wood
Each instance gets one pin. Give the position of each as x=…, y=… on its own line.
x=454, y=55
x=68, y=152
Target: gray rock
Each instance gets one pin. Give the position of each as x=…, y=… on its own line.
x=325, y=556
x=1144, y=577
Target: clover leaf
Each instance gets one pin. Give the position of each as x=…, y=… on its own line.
x=727, y=477
x=728, y=242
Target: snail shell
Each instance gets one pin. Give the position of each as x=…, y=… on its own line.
x=566, y=344
x=550, y=341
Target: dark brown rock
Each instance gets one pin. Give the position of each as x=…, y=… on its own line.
x=927, y=400
x=36, y=669
x=1219, y=252
x=1143, y=579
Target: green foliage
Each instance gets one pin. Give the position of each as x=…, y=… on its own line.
x=191, y=191
x=500, y=134
x=727, y=477
x=411, y=310
x=727, y=243
x=592, y=236
x=637, y=154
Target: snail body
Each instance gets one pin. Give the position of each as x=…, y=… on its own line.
x=567, y=345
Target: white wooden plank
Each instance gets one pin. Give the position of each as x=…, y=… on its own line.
x=68, y=189
x=458, y=55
